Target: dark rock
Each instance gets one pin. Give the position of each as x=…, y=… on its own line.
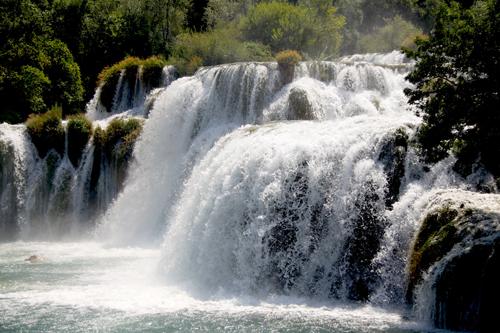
x=392, y=155
x=459, y=241
x=467, y=290
x=8, y=193
x=79, y=131
x=287, y=72
x=282, y=238
x=299, y=106
x=111, y=90
x=108, y=91
x=368, y=226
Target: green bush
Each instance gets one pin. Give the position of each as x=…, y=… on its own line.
x=396, y=33
x=79, y=130
x=108, y=78
x=115, y=145
x=315, y=31
x=286, y=64
x=46, y=131
x=152, y=69
x=218, y=46
x=288, y=58
x=456, y=86
x=118, y=139
x=112, y=71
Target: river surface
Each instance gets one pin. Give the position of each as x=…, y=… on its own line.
x=85, y=287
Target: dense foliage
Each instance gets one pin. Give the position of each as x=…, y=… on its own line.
x=36, y=69
x=457, y=88
x=52, y=51
x=313, y=28
x=220, y=45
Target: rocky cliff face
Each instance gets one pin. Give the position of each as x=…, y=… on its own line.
x=454, y=267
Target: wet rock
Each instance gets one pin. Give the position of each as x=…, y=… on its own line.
x=34, y=259
x=467, y=290
x=458, y=245
x=368, y=226
x=282, y=238
x=8, y=193
x=300, y=108
x=392, y=156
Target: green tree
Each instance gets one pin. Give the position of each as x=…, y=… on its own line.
x=166, y=19
x=36, y=70
x=392, y=36
x=221, y=12
x=367, y=19
x=457, y=88
x=313, y=28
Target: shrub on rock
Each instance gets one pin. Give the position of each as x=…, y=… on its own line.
x=149, y=69
x=79, y=132
x=46, y=131
x=286, y=64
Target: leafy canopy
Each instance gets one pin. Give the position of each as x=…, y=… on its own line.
x=457, y=88
x=311, y=27
x=37, y=70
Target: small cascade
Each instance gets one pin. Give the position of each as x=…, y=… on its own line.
x=51, y=196
x=16, y=161
x=127, y=92
x=48, y=197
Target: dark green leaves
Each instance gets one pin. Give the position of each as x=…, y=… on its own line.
x=457, y=85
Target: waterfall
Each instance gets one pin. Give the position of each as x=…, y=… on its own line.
x=310, y=188
x=192, y=113
x=249, y=184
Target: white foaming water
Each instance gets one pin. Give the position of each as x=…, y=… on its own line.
x=192, y=113
x=17, y=158
x=77, y=287
x=253, y=203
x=270, y=207
x=191, y=110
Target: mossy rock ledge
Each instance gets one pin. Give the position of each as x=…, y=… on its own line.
x=457, y=253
